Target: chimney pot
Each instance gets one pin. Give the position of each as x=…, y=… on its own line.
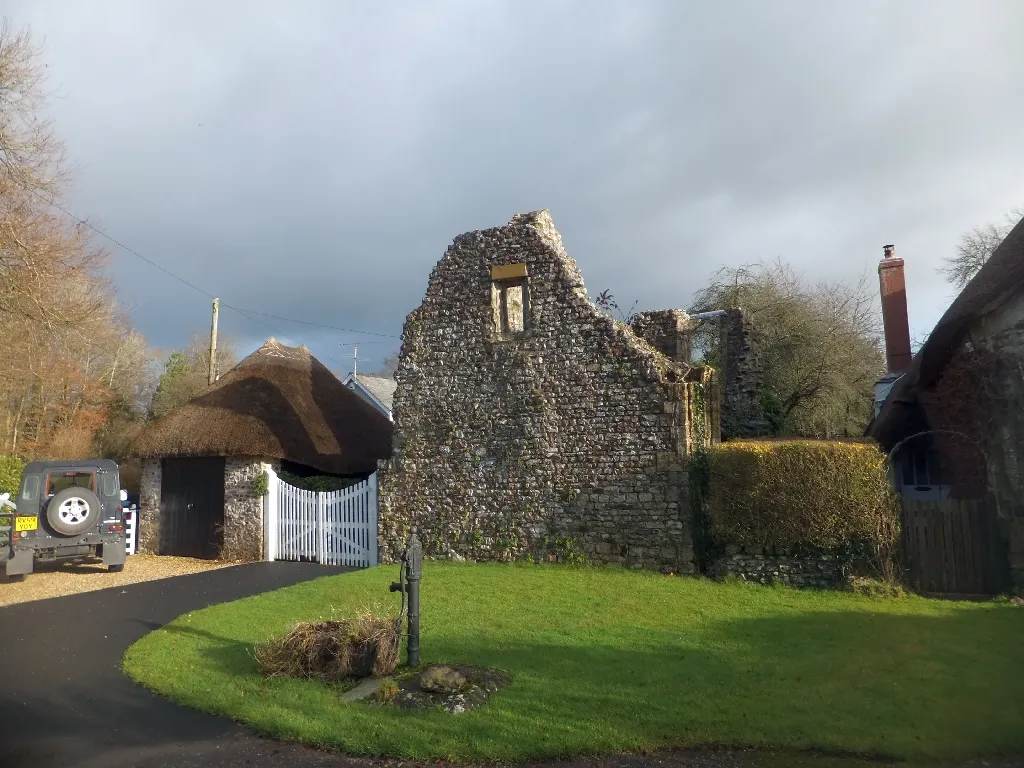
x=894, y=312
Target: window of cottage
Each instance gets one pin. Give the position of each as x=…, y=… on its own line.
x=509, y=299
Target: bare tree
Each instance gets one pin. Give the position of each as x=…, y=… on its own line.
x=71, y=360
x=389, y=366
x=39, y=249
x=975, y=248
x=820, y=345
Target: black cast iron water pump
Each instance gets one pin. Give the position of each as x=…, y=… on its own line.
x=408, y=584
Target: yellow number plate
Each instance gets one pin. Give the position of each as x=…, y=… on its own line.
x=26, y=523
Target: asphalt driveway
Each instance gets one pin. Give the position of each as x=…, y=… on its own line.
x=65, y=703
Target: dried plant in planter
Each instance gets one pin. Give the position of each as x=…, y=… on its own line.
x=333, y=650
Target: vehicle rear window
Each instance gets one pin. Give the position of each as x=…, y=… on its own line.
x=30, y=487
x=110, y=484
x=58, y=481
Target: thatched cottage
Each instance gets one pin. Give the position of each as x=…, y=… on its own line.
x=278, y=408
x=953, y=417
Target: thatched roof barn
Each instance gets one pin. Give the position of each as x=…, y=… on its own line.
x=279, y=404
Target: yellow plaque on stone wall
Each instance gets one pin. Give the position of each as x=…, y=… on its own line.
x=508, y=271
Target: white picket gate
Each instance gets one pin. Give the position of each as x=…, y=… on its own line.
x=131, y=530
x=336, y=528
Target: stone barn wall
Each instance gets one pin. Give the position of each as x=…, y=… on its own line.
x=529, y=424
x=149, y=507
x=243, y=512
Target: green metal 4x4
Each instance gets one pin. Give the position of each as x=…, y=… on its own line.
x=64, y=511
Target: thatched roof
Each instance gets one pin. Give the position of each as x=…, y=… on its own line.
x=279, y=402
x=998, y=280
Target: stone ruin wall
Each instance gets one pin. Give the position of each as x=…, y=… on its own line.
x=565, y=438
x=742, y=379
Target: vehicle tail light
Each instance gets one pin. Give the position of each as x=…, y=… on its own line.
x=117, y=528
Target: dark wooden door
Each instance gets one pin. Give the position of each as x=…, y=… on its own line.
x=953, y=547
x=192, y=507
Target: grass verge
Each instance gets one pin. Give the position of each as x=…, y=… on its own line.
x=605, y=660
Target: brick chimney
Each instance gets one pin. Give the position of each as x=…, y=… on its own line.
x=893, y=286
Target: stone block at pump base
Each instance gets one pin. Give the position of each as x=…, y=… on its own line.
x=442, y=679
x=453, y=688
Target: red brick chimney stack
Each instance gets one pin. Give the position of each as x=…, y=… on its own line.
x=895, y=321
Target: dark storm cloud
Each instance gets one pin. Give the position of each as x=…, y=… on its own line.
x=313, y=160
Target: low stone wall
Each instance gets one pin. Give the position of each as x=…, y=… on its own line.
x=767, y=567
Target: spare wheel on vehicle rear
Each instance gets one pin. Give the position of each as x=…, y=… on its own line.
x=73, y=511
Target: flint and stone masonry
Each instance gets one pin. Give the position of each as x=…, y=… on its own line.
x=528, y=424
x=243, y=510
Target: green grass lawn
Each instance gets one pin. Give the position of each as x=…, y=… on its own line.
x=606, y=660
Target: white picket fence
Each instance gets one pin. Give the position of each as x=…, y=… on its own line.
x=336, y=528
x=131, y=530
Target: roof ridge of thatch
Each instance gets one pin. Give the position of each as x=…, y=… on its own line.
x=278, y=402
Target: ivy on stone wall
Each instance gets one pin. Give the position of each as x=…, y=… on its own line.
x=261, y=484
x=699, y=401
x=706, y=549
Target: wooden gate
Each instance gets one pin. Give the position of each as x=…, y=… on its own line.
x=192, y=507
x=953, y=547
x=336, y=528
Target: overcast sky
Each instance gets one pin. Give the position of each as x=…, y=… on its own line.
x=314, y=160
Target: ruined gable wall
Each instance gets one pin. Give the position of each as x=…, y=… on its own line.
x=567, y=440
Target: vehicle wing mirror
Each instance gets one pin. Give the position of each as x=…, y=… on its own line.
x=124, y=495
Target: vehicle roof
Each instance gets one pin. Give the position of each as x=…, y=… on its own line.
x=42, y=466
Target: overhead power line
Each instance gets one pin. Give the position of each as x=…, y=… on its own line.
x=321, y=325
x=247, y=313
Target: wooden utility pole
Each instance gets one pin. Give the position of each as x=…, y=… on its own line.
x=213, y=342
x=355, y=356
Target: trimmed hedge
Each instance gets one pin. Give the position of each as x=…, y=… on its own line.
x=10, y=474
x=797, y=493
